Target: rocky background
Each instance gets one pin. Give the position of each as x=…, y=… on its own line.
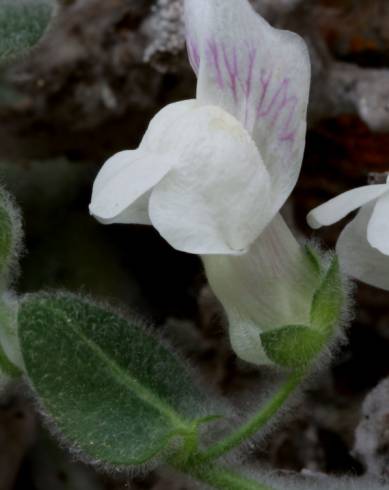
x=89, y=90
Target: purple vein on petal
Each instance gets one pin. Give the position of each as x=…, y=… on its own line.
x=213, y=56
x=232, y=70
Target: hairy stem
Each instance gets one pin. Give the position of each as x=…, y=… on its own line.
x=251, y=427
x=221, y=478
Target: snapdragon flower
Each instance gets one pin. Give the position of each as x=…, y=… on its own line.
x=211, y=174
x=268, y=288
x=363, y=245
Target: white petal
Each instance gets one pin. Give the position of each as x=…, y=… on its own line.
x=357, y=257
x=259, y=74
x=339, y=207
x=156, y=138
x=120, y=191
x=111, y=167
x=122, y=188
x=216, y=200
x=378, y=228
x=271, y=286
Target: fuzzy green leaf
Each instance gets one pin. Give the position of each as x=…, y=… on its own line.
x=113, y=390
x=22, y=24
x=292, y=346
x=328, y=299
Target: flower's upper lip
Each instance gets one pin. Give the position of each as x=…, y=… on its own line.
x=259, y=75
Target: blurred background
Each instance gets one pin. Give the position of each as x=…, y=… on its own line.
x=89, y=90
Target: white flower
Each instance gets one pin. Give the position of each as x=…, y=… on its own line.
x=363, y=246
x=211, y=174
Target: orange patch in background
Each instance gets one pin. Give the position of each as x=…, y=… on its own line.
x=360, y=43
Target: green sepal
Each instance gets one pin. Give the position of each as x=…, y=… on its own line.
x=295, y=346
x=328, y=300
x=22, y=24
x=113, y=390
x=292, y=346
x=313, y=259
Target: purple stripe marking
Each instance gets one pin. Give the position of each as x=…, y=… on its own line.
x=232, y=70
x=213, y=52
x=265, y=82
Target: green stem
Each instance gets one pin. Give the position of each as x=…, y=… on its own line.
x=257, y=422
x=6, y=365
x=221, y=478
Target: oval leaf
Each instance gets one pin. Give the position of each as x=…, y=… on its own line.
x=22, y=24
x=113, y=390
